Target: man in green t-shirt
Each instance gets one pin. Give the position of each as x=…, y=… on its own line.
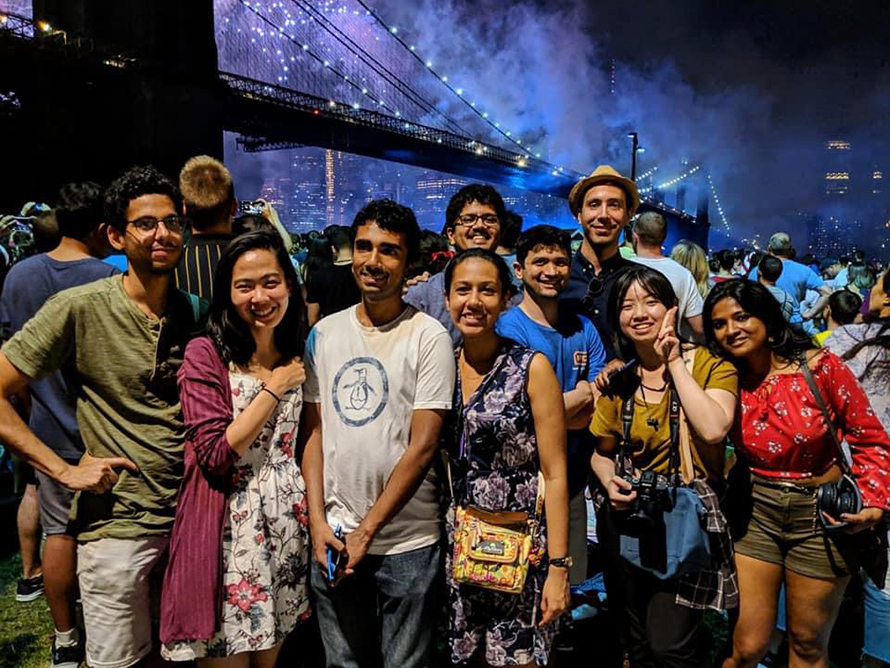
x=123, y=339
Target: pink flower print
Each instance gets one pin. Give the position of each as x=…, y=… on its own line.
x=286, y=446
x=259, y=538
x=301, y=512
x=245, y=594
x=236, y=391
x=306, y=614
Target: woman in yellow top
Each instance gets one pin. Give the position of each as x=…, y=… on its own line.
x=662, y=616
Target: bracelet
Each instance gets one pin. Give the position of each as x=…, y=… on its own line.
x=562, y=562
x=266, y=389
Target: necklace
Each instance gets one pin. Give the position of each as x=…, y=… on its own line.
x=653, y=389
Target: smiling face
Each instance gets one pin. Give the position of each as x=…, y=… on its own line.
x=736, y=331
x=476, y=297
x=545, y=272
x=259, y=292
x=477, y=226
x=603, y=215
x=641, y=315
x=157, y=251
x=379, y=261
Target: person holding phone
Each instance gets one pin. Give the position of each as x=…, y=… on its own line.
x=241, y=533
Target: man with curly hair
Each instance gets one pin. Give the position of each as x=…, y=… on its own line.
x=123, y=337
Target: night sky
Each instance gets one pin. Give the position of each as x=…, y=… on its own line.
x=749, y=90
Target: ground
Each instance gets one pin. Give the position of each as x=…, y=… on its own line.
x=25, y=628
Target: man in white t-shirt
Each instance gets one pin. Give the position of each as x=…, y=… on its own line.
x=379, y=380
x=649, y=233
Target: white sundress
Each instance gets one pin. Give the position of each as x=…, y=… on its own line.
x=265, y=548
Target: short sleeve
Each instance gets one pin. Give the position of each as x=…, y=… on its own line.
x=596, y=352
x=43, y=344
x=435, y=372
x=311, y=391
x=694, y=302
x=417, y=296
x=714, y=373
x=814, y=281
x=606, y=419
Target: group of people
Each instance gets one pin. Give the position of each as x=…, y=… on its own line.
x=208, y=460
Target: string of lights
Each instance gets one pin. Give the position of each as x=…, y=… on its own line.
x=675, y=181
x=362, y=89
x=717, y=202
x=443, y=79
x=379, y=68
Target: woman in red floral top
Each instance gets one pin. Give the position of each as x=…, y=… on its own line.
x=781, y=434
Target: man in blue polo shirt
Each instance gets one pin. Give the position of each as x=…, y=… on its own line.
x=575, y=351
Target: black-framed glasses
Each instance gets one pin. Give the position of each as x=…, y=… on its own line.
x=469, y=219
x=174, y=224
x=594, y=289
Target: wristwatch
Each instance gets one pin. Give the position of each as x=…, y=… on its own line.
x=562, y=562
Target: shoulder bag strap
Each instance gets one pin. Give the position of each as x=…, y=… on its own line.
x=684, y=441
x=829, y=423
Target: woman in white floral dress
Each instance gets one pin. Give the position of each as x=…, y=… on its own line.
x=236, y=582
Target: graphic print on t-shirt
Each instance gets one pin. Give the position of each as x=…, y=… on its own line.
x=360, y=391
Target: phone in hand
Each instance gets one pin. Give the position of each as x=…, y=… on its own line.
x=335, y=558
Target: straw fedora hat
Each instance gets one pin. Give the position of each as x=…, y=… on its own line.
x=609, y=175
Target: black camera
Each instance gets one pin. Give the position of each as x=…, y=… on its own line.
x=836, y=498
x=652, y=497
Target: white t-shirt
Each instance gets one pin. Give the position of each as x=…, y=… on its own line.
x=690, y=301
x=368, y=381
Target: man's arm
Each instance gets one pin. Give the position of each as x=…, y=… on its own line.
x=92, y=474
x=404, y=481
x=313, y=475
x=696, y=324
x=821, y=303
x=578, y=405
x=313, y=312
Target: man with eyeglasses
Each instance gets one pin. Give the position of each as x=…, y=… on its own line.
x=123, y=339
x=474, y=219
x=603, y=204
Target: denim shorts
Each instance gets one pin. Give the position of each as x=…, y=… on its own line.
x=784, y=529
x=877, y=622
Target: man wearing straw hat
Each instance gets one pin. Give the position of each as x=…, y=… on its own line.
x=603, y=204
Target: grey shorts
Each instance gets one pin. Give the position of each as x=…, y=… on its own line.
x=55, y=504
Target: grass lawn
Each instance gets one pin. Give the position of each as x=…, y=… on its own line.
x=25, y=628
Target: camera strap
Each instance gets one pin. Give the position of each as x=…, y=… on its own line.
x=627, y=418
x=829, y=423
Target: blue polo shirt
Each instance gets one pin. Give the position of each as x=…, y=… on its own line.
x=575, y=351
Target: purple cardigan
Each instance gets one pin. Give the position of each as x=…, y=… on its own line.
x=191, y=600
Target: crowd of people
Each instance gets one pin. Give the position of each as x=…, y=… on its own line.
x=404, y=437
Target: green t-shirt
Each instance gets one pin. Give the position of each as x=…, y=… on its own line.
x=650, y=446
x=125, y=364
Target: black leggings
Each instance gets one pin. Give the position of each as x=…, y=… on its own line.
x=657, y=632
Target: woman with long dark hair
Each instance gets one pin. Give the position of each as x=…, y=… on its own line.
x=781, y=434
x=865, y=348
x=236, y=582
x=662, y=616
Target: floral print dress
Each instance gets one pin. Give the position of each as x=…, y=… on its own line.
x=265, y=550
x=494, y=461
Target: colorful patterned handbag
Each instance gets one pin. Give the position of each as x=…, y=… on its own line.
x=494, y=549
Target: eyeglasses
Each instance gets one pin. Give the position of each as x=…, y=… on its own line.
x=594, y=290
x=469, y=219
x=173, y=224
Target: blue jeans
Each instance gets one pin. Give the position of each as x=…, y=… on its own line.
x=384, y=614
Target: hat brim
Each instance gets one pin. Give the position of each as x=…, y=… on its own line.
x=580, y=189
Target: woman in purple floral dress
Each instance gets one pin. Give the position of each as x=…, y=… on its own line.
x=508, y=426
x=236, y=582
